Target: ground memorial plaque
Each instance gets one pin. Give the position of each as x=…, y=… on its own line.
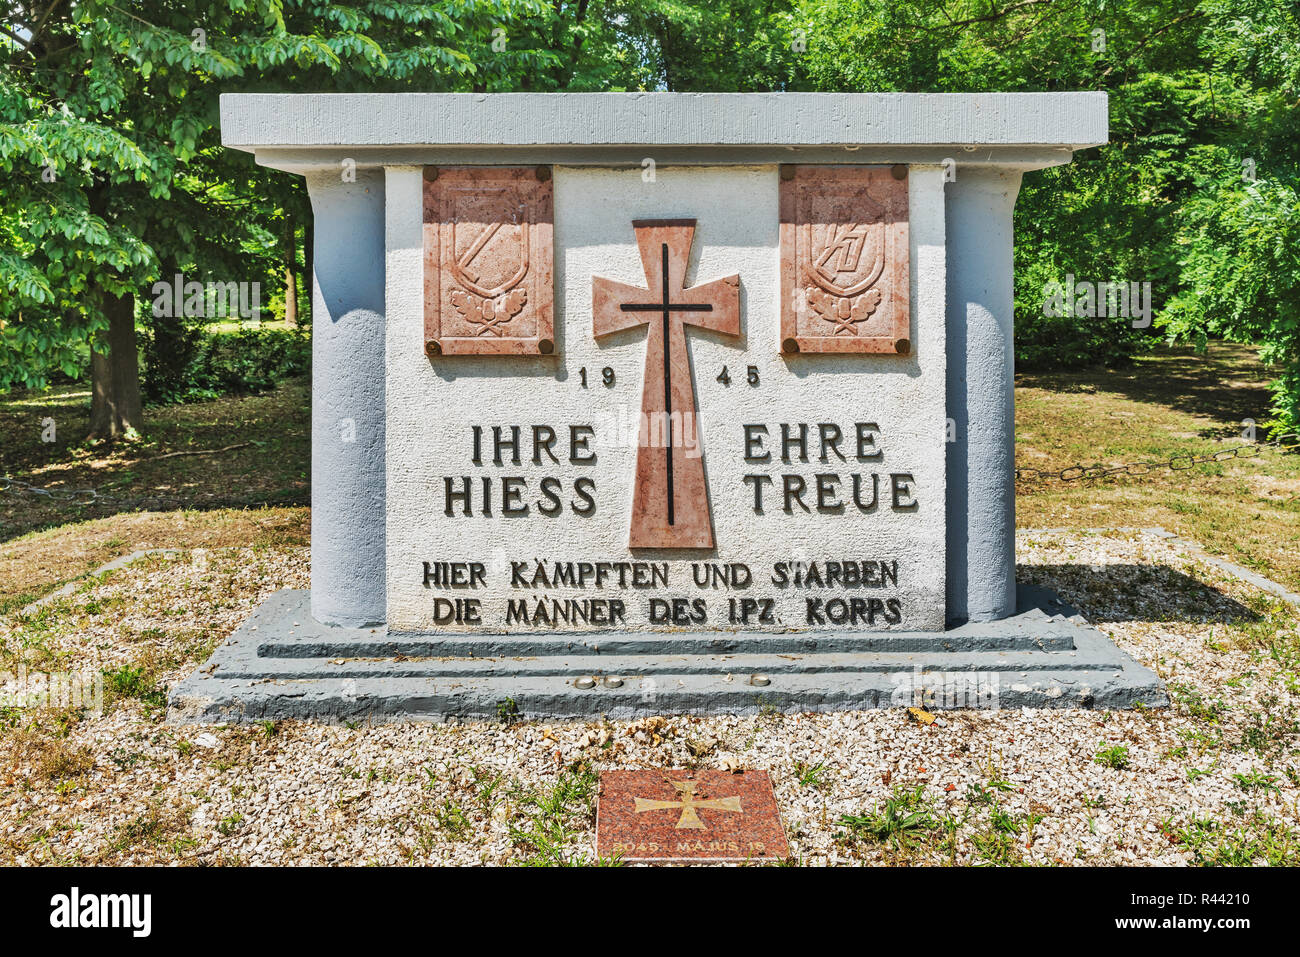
x=728, y=430
x=688, y=815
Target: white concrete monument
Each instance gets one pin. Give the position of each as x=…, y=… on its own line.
x=661, y=402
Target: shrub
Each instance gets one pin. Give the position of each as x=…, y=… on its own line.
x=193, y=364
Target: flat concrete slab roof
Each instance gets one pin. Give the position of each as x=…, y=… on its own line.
x=252, y=121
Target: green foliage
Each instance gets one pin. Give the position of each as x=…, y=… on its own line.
x=193, y=364
x=1195, y=91
x=507, y=711
x=451, y=817
x=110, y=148
x=1115, y=757
x=1237, y=234
x=904, y=820
x=171, y=351
x=1254, y=840
x=549, y=819
x=132, y=681
x=1254, y=294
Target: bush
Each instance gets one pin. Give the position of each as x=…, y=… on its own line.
x=191, y=364
x=1251, y=294
x=1050, y=343
x=170, y=348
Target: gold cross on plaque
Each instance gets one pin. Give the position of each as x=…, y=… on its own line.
x=690, y=819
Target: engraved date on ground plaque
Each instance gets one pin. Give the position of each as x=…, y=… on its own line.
x=488, y=261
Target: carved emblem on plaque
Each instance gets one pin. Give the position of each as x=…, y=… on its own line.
x=844, y=259
x=488, y=253
x=670, y=499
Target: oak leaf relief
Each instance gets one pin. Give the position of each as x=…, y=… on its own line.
x=489, y=314
x=843, y=313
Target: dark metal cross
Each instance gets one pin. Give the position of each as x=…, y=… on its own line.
x=670, y=501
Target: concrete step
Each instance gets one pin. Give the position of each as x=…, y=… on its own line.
x=273, y=667
x=634, y=665
x=555, y=697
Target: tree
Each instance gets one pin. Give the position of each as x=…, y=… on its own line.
x=1196, y=90
x=1239, y=231
x=109, y=141
x=97, y=121
x=115, y=175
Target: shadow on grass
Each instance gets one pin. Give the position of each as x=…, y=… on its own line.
x=233, y=452
x=42, y=515
x=1226, y=384
x=1116, y=593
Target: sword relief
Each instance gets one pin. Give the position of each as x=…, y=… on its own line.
x=488, y=261
x=844, y=260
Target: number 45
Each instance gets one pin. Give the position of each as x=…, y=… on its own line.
x=751, y=376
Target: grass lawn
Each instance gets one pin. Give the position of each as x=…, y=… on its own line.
x=253, y=494
x=1173, y=402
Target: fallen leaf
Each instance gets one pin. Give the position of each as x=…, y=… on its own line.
x=921, y=716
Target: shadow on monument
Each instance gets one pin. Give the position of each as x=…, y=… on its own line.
x=1117, y=593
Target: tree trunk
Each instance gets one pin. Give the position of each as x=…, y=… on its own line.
x=101, y=395
x=290, y=272
x=115, y=407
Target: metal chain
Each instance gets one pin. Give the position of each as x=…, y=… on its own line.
x=78, y=496
x=1178, y=462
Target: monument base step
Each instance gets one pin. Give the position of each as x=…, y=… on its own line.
x=282, y=664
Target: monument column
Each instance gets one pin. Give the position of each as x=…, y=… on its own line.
x=981, y=579
x=347, y=416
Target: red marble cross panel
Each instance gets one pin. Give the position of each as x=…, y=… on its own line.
x=844, y=259
x=670, y=497
x=488, y=261
x=685, y=815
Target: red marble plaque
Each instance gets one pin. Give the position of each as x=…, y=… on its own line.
x=670, y=815
x=670, y=498
x=844, y=259
x=488, y=261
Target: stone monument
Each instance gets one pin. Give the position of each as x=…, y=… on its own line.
x=634, y=403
